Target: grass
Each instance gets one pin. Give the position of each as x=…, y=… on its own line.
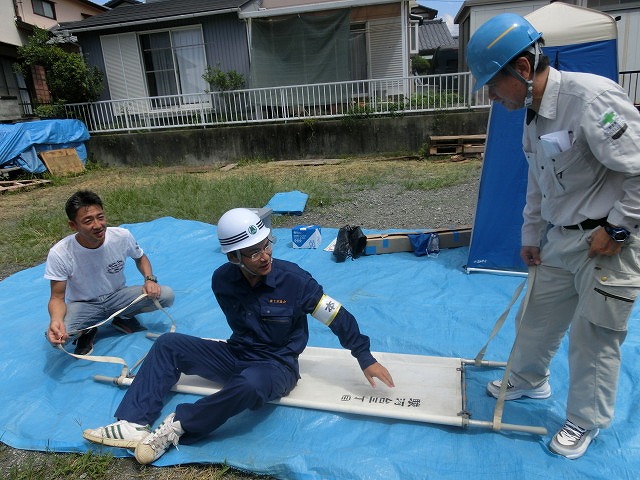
x=32, y=221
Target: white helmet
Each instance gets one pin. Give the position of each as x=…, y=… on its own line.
x=240, y=228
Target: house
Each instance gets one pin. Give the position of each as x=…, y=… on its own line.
x=438, y=46
x=474, y=13
x=17, y=20
x=162, y=48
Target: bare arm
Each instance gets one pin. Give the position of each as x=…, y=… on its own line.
x=152, y=289
x=57, y=332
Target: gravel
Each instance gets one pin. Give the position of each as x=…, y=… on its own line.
x=387, y=207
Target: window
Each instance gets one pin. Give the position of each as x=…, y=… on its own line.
x=358, y=46
x=44, y=8
x=414, y=43
x=173, y=61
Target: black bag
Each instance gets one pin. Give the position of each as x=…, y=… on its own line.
x=351, y=242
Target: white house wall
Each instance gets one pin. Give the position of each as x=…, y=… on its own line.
x=8, y=31
x=628, y=39
x=480, y=14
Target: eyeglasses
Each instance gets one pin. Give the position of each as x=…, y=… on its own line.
x=267, y=248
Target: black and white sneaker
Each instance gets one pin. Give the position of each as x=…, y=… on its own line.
x=513, y=393
x=572, y=440
x=84, y=343
x=127, y=325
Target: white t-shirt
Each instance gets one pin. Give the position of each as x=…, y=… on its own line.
x=92, y=272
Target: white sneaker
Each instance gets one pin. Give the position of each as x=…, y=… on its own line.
x=119, y=434
x=513, y=393
x=572, y=440
x=153, y=446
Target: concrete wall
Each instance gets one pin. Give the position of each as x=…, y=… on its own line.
x=284, y=141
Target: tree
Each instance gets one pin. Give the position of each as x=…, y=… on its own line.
x=69, y=78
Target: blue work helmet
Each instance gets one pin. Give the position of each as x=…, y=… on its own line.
x=498, y=41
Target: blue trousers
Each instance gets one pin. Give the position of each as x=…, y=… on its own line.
x=82, y=314
x=246, y=384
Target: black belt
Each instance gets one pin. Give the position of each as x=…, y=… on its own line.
x=588, y=224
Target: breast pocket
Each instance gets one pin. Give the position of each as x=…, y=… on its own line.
x=276, y=322
x=572, y=169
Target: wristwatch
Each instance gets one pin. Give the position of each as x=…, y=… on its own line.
x=151, y=278
x=618, y=234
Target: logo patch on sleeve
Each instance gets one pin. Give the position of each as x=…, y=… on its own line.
x=613, y=125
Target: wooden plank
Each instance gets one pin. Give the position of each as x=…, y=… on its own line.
x=12, y=185
x=458, y=138
x=64, y=161
x=306, y=163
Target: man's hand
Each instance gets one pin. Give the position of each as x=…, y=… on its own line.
x=152, y=289
x=57, y=333
x=602, y=244
x=530, y=255
x=378, y=371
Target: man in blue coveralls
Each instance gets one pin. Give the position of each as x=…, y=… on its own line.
x=265, y=302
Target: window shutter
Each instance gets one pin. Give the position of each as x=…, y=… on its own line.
x=123, y=66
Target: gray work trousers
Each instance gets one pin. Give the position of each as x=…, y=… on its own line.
x=595, y=298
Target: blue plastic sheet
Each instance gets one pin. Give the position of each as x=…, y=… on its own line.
x=21, y=142
x=288, y=203
x=406, y=304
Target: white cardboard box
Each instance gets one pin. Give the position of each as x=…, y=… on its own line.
x=306, y=236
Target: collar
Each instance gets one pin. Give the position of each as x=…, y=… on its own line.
x=549, y=104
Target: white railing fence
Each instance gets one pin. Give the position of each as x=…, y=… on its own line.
x=630, y=81
x=360, y=98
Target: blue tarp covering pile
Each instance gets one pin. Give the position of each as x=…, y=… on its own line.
x=406, y=304
x=21, y=142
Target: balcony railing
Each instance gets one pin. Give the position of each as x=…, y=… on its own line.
x=630, y=81
x=361, y=98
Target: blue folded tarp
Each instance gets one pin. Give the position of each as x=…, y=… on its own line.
x=288, y=203
x=21, y=142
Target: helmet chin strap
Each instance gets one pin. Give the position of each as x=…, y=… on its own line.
x=528, y=99
x=244, y=267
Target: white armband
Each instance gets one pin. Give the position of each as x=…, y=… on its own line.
x=326, y=310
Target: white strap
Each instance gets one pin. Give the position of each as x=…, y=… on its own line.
x=126, y=371
x=499, y=408
x=115, y=314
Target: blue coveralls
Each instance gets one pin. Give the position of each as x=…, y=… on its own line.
x=258, y=364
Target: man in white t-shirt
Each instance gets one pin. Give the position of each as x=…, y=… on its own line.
x=86, y=270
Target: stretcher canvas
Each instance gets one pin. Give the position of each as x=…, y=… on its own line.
x=408, y=305
x=429, y=388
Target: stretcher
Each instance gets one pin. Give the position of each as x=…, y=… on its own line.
x=428, y=389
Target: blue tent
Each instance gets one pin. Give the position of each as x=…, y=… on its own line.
x=576, y=39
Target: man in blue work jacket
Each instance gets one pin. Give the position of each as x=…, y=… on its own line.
x=265, y=302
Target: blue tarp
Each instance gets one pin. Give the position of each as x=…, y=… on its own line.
x=21, y=142
x=406, y=304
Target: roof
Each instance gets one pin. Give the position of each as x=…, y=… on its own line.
x=117, y=3
x=434, y=34
x=154, y=12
